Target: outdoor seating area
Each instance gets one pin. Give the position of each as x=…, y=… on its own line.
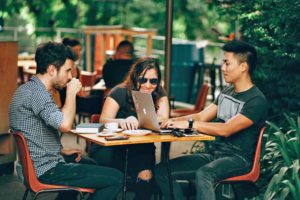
x=149, y=100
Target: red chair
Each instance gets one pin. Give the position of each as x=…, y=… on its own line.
x=95, y=118
x=30, y=179
x=253, y=175
x=250, y=177
x=200, y=103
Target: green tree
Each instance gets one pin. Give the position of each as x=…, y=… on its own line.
x=192, y=19
x=10, y=7
x=270, y=25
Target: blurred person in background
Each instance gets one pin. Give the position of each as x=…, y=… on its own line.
x=116, y=68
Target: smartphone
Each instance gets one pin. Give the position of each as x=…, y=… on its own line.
x=118, y=137
x=184, y=130
x=187, y=130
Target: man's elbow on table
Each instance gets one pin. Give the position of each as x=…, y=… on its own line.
x=65, y=127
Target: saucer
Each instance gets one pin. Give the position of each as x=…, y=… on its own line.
x=106, y=133
x=116, y=131
x=138, y=132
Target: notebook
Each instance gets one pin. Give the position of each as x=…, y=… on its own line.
x=89, y=128
x=146, y=112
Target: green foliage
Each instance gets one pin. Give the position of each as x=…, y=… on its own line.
x=270, y=25
x=9, y=7
x=192, y=19
x=281, y=160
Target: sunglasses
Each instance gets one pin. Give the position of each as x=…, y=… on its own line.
x=153, y=81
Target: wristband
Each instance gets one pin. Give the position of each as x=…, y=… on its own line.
x=191, y=122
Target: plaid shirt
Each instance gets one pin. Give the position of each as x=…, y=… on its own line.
x=34, y=112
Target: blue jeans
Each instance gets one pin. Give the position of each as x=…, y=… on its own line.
x=207, y=169
x=107, y=182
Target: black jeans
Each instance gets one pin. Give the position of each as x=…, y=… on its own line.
x=207, y=169
x=106, y=181
x=140, y=157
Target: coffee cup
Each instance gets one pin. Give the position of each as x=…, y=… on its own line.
x=112, y=126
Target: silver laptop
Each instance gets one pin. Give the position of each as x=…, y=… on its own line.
x=146, y=113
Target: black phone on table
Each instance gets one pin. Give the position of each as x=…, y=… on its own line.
x=118, y=137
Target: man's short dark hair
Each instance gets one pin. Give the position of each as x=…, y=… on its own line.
x=244, y=51
x=70, y=42
x=52, y=53
x=125, y=47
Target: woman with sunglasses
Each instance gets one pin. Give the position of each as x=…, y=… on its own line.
x=144, y=76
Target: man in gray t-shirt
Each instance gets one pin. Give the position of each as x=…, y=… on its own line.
x=239, y=113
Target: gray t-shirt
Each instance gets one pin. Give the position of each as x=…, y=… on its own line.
x=253, y=105
x=34, y=112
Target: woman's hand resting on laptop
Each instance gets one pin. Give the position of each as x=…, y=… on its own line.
x=130, y=123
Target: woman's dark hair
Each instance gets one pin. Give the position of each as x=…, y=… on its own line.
x=139, y=69
x=52, y=53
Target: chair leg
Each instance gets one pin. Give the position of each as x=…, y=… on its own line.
x=157, y=196
x=88, y=146
x=244, y=190
x=227, y=191
x=36, y=195
x=79, y=120
x=125, y=176
x=81, y=195
x=25, y=194
x=190, y=186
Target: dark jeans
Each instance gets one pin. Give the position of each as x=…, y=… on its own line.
x=106, y=181
x=102, y=155
x=207, y=169
x=140, y=157
x=84, y=159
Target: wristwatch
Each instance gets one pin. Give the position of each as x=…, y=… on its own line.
x=191, y=122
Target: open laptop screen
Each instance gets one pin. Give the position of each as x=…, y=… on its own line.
x=146, y=113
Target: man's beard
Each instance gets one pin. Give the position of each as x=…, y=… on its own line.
x=58, y=87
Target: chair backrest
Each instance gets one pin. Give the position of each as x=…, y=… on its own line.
x=253, y=175
x=201, y=98
x=30, y=178
x=256, y=162
x=95, y=118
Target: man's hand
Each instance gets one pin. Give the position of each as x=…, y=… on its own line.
x=174, y=124
x=72, y=151
x=130, y=123
x=74, y=86
x=167, y=123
